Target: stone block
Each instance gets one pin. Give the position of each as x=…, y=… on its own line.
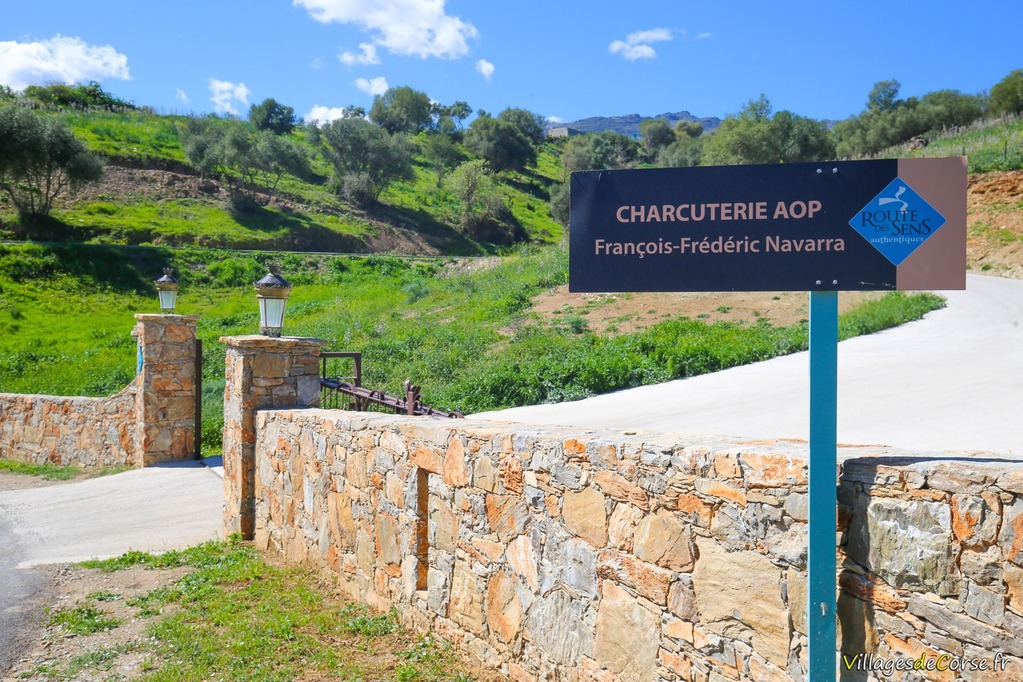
x=973, y=522
x=522, y=556
x=772, y=470
x=621, y=527
x=619, y=488
x=454, y=463
x=627, y=635
x=507, y=515
x=723, y=582
x=647, y=580
x=504, y=610
x=561, y=627
x=568, y=561
x=466, y=607
x=663, y=539
x=908, y=543
x=984, y=604
x=585, y=515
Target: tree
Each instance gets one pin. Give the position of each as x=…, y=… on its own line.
x=801, y=139
x=883, y=96
x=657, y=134
x=501, y=144
x=401, y=110
x=575, y=154
x=954, y=108
x=449, y=117
x=888, y=121
x=250, y=162
x=483, y=213
x=533, y=126
x=40, y=158
x=755, y=136
x=682, y=153
x=689, y=128
x=612, y=150
x=366, y=158
x=273, y=116
x=598, y=151
x=442, y=153
x=1007, y=95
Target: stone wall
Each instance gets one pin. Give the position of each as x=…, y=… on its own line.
x=152, y=420
x=567, y=554
x=83, y=432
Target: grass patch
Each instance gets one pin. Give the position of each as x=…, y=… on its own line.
x=47, y=471
x=237, y=617
x=83, y=620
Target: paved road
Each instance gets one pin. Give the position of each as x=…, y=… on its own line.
x=154, y=509
x=952, y=381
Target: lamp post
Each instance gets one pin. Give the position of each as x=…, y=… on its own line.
x=167, y=290
x=272, y=292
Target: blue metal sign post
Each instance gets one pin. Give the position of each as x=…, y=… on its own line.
x=823, y=482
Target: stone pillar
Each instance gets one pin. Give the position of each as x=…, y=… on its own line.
x=165, y=400
x=261, y=372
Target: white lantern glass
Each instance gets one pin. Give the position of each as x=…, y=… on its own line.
x=271, y=315
x=168, y=300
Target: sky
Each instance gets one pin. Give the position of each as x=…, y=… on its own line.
x=563, y=59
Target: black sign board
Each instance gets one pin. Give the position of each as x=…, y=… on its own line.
x=838, y=226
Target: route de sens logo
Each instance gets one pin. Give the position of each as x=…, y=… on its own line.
x=897, y=221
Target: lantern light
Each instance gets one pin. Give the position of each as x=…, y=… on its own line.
x=272, y=292
x=167, y=290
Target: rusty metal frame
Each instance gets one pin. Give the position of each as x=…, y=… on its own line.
x=339, y=393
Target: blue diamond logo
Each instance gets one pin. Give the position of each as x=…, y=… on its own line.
x=897, y=221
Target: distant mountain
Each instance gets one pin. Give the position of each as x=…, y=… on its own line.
x=629, y=124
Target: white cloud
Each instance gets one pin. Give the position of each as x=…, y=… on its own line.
x=408, y=27
x=637, y=44
x=61, y=59
x=485, y=68
x=316, y=64
x=182, y=96
x=368, y=57
x=226, y=96
x=555, y=119
x=321, y=114
x=372, y=86
x=703, y=36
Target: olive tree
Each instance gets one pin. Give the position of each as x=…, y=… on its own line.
x=757, y=136
x=402, y=110
x=365, y=157
x=273, y=116
x=40, y=158
x=1007, y=94
x=500, y=143
x=250, y=162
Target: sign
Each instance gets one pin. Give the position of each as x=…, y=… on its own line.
x=839, y=226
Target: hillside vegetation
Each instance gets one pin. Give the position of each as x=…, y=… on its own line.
x=463, y=329
x=456, y=248
x=158, y=189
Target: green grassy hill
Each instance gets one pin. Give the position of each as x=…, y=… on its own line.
x=152, y=195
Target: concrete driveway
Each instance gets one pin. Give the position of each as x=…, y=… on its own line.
x=154, y=510
x=950, y=382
